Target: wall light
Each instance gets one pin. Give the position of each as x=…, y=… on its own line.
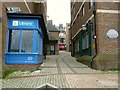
x=84, y=27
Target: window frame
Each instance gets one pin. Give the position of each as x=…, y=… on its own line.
x=86, y=36
x=34, y=41
x=9, y=45
x=21, y=44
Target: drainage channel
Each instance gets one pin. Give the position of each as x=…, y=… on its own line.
x=68, y=65
x=63, y=60
x=58, y=66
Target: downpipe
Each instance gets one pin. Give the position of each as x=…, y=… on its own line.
x=91, y=60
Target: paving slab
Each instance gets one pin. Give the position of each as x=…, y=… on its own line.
x=62, y=71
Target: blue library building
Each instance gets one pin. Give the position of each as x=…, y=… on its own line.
x=26, y=39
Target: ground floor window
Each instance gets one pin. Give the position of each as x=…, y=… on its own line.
x=85, y=41
x=77, y=45
x=52, y=50
x=23, y=41
x=14, y=41
x=27, y=40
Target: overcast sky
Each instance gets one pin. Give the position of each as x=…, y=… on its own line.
x=58, y=11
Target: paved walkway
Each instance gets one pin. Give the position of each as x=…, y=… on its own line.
x=62, y=71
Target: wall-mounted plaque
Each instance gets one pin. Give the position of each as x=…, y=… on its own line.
x=112, y=33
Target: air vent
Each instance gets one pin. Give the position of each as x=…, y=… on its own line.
x=13, y=9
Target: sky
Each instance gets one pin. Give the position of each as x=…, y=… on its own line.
x=58, y=11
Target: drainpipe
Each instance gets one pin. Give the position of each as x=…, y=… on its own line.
x=95, y=34
x=71, y=40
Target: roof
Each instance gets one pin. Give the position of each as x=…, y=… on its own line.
x=51, y=27
x=32, y=16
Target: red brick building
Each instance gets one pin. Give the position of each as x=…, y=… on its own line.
x=93, y=46
x=52, y=47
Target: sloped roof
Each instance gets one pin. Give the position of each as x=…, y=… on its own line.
x=51, y=27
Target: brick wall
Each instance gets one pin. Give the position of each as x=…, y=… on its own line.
x=0, y=45
x=4, y=29
x=0, y=38
x=80, y=20
x=106, y=22
x=106, y=18
x=56, y=47
x=107, y=5
x=56, y=35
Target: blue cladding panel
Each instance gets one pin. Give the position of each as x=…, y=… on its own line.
x=23, y=58
x=23, y=24
x=20, y=57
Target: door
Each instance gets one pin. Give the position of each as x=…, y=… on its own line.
x=52, y=50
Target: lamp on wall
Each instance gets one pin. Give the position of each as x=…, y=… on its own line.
x=84, y=27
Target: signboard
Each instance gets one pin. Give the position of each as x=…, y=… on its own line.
x=21, y=24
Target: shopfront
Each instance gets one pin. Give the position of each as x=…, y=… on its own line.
x=25, y=39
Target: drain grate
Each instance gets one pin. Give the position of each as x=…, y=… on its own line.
x=47, y=86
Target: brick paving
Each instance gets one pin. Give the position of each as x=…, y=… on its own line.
x=62, y=71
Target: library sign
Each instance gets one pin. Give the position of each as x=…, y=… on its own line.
x=19, y=23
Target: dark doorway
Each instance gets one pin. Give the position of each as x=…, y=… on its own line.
x=52, y=50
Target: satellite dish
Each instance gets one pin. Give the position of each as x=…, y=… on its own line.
x=112, y=33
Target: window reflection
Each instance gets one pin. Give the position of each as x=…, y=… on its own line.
x=85, y=41
x=27, y=39
x=14, y=40
x=38, y=43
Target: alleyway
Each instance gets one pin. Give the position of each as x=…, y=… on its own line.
x=63, y=71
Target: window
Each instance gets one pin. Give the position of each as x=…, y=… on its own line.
x=83, y=10
x=14, y=41
x=38, y=44
x=52, y=48
x=77, y=45
x=85, y=41
x=27, y=40
x=90, y=3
